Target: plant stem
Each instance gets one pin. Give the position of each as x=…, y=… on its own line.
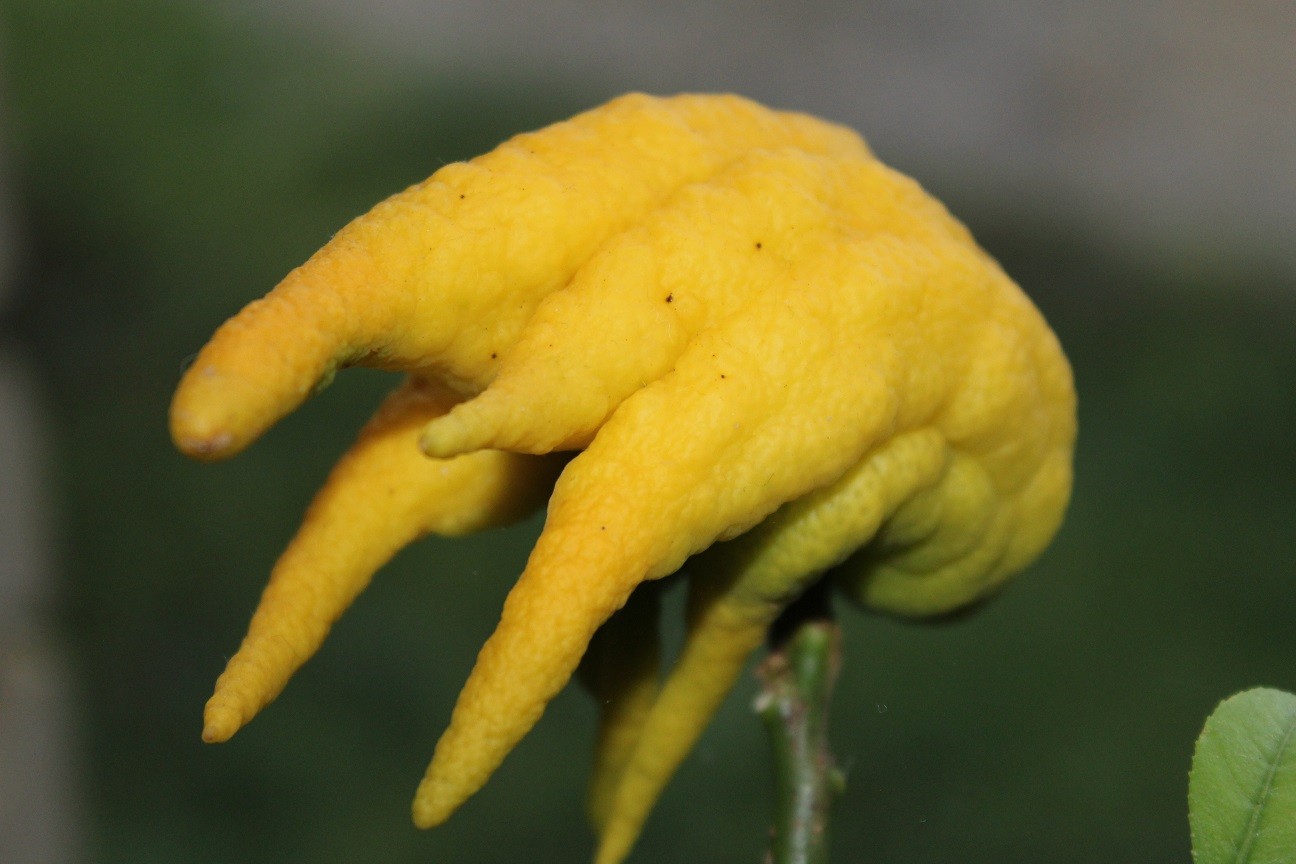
x=796, y=685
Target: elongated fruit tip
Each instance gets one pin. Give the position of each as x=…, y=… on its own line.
x=428, y=809
x=448, y=436
x=220, y=723
x=217, y=412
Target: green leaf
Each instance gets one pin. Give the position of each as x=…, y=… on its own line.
x=1242, y=790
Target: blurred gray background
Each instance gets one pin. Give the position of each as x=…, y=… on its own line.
x=1163, y=124
x=162, y=163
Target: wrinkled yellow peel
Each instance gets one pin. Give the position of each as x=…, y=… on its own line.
x=752, y=330
x=381, y=496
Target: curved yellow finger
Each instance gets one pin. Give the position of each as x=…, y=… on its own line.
x=722, y=634
x=382, y=495
x=950, y=545
x=631, y=310
x=265, y=361
x=583, y=568
x=443, y=275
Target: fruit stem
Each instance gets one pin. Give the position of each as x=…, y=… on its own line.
x=797, y=679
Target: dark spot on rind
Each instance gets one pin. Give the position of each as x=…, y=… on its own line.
x=670, y=298
x=759, y=245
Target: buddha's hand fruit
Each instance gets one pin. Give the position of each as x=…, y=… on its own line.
x=753, y=331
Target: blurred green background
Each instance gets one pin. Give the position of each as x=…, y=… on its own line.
x=169, y=165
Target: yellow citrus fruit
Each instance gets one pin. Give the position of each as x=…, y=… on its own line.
x=770, y=351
